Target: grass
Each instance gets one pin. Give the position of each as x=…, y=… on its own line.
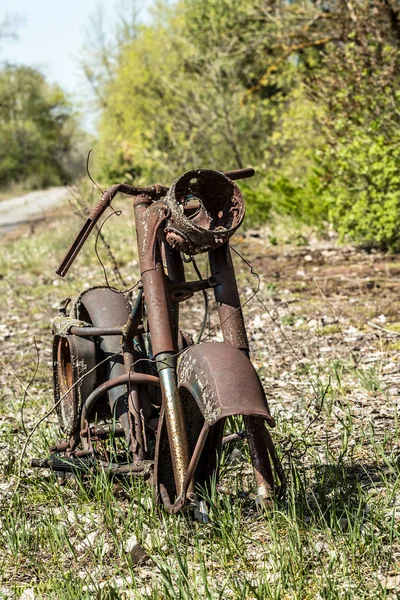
x=334, y=535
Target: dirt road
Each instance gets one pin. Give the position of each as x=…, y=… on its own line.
x=20, y=210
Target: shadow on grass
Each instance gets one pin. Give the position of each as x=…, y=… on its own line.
x=338, y=495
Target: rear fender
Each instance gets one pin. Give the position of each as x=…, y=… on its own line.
x=223, y=381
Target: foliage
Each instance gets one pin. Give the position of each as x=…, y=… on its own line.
x=306, y=92
x=37, y=130
x=175, y=101
x=357, y=82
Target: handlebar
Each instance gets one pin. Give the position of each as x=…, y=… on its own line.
x=240, y=173
x=154, y=191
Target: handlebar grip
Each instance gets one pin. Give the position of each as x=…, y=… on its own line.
x=95, y=214
x=240, y=173
x=75, y=247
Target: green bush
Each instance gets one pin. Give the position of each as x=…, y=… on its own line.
x=258, y=205
x=299, y=199
x=362, y=190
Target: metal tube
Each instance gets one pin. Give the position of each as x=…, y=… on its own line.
x=103, y=331
x=234, y=332
x=158, y=310
x=176, y=274
x=227, y=298
x=187, y=484
x=259, y=458
x=131, y=328
x=175, y=420
x=201, y=440
x=134, y=405
x=111, y=383
x=89, y=331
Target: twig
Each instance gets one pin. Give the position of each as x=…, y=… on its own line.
x=395, y=333
x=356, y=359
x=18, y=380
x=29, y=385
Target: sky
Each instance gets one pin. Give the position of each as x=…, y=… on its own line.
x=51, y=34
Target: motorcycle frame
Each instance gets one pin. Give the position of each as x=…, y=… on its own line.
x=162, y=290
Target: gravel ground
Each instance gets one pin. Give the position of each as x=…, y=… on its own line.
x=20, y=210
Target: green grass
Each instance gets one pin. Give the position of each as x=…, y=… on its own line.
x=335, y=534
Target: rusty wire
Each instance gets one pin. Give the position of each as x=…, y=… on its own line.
x=88, y=172
x=118, y=213
x=205, y=296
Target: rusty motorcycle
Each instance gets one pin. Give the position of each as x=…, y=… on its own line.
x=126, y=371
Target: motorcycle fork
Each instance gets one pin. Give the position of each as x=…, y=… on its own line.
x=234, y=333
x=162, y=322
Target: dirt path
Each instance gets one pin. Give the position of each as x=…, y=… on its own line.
x=20, y=210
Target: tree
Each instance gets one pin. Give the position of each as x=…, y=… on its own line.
x=37, y=128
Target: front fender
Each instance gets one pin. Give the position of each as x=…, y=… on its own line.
x=223, y=382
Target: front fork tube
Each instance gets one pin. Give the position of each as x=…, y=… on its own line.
x=234, y=333
x=164, y=349
x=175, y=421
x=164, y=344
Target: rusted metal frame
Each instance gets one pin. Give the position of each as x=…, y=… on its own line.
x=187, y=491
x=152, y=192
x=96, y=433
x=90, y=402
x=137, y=441
x=103, y=432
x=102, y=307
x=234, y=332
x=77, y=462
x=96, y=331
x=227, y=298
x=137, y=445
x=233, y=437
x=132, y=327
x=175, y=278
x=174, y=417
x=260, y=459
x=179, y=292
x=148, y=219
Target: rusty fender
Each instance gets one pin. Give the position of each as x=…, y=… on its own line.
x=223, y=381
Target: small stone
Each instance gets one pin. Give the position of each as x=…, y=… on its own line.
x=139, y=556
x=235, y=457
x=321, y=547
x=313, y=324
x=391, y=583
x=130, y=543
x=87, y=542
x=106, y=549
